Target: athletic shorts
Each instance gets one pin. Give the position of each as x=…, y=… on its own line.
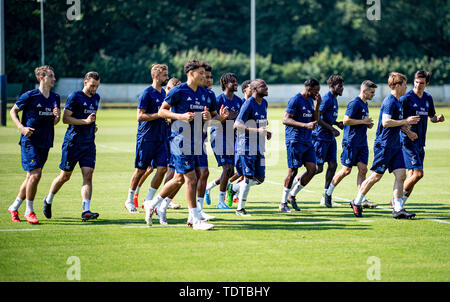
x=325, y=151
x=224, y=159
x=351, y=156
x=150, y=153
x=251, y=165
x=186, y=163
x=414, y=156
x=32, y=157
x=387, y=158
x=299, y=153
x=84, y=154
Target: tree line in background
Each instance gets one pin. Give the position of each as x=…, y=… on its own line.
x=295, y=39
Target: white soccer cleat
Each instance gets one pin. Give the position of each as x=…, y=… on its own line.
x=148, y=213
x=206, y=217
x=200, y=225
x=129, y=206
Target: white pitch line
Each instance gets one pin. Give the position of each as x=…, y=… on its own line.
x=331, y=221
x=154, y=226
x=18, y=230
x=439, y=220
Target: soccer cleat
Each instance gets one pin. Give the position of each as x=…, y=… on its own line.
x=284, y=208
x=148, y=214
x=174, y=205
x=130, y=207
x=47, y=209
x=136, y=200
x=202, y=225
x=293, y=202
x=403, y=214
x=368, y=205
x=205, y=216
x=163, y=218
x=14, y=216
x=327, y=198
x=242, y=212
x=357, y=209
x=230, y=194
x=207, y=197
x=189, y=221
x=31, y=218
x=88, y=215
x=222, y=205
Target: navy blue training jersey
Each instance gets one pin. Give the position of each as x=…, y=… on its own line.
x=389, y=136
x=254, y=115
x=81, y=106
x=156, y=130
x=424, y=107
x=328, y=113
x=356, y=135
x=233, y=106
x=37, y=113
x=303, y=112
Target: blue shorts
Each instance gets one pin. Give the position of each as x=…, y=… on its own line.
x=32, y=157
x=325, y=151
x=414, y=157
x=224, y=159
x=186, y=163
x=251, y=165
x=387, y=158
x=299, y=153
x=84, y=154
x=351, y=156
x=150, y=153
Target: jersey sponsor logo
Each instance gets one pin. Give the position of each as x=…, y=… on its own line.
x=89, y=111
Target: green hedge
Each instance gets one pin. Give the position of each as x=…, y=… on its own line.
x=134, y=68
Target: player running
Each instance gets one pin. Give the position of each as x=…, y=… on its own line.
x=40, y=113
x=417, y=102
x=79, y=143
x=387, y=148
x=186, y=105
x=251, y=125
x=355, y=151
x=222, y=137
x=151, y=138
x=300, y=119
x=324, y=136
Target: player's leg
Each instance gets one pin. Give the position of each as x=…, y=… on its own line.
x=56, y=185
x=288, y=181
x=202, y=174
x=338, y=177
x=14, y=207
x=414, y=176
x=30, y=194
x=86, y=193
x=140, y=184
x=227, y=173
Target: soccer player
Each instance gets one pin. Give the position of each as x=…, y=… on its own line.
x=40, y=113
x=79, y=143
x=417, y=102
x=387, y=148
x=355, y=151
x=151, y=138
x=300, y=120
x=232, y=189
x=186, y=105
x=251, y=125
x=222, y=138
x=324, y=136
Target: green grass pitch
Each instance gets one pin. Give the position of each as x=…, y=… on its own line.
x=316, y=244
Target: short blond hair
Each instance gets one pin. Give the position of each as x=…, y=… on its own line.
x=396, y=78
x=157, y=69
x=42, y=71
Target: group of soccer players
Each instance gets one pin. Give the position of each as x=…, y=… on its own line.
x=172, y=132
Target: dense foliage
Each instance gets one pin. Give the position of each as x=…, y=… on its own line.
x=295, y=38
